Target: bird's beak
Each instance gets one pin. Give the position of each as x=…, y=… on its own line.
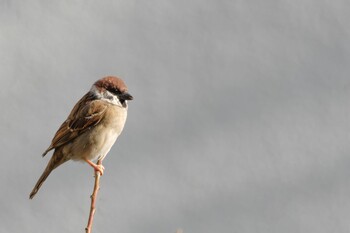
x=126, y=96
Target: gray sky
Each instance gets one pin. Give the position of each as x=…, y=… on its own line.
x=240, y=121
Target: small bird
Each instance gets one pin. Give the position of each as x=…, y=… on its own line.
x=91, y=128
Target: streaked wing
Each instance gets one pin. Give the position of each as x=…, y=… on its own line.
x=87, y=113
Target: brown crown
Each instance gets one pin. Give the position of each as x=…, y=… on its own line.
x=111, y=82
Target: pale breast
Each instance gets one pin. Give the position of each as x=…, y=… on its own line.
x=97, y=142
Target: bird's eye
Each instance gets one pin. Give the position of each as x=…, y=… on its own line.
x=115, y=91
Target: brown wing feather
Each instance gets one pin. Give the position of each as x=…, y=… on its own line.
x=81, y=118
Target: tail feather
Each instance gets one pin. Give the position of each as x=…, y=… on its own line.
x=56, y=160
x=41, y=180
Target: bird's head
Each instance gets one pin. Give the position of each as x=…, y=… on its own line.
x=112, y=89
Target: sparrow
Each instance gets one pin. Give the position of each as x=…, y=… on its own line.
x=91, y=128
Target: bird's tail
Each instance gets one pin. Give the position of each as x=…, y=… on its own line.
x=41, y=180
x=56, y=160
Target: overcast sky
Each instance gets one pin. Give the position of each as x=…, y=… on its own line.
x=239, y=123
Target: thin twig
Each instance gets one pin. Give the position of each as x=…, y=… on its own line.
x=93, y=199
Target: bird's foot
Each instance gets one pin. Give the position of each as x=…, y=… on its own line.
x=100, y=168
x=97, y=167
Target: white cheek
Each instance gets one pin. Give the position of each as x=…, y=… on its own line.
x=109, y=97
x=106, y=96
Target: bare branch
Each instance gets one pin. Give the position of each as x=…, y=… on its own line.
x=93, y=199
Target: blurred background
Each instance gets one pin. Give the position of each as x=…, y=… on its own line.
x=240, y=121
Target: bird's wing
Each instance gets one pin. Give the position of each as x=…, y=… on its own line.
x=87, y=113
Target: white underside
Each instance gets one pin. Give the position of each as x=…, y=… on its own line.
x=98, y=141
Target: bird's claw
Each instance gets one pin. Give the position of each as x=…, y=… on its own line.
x=97, y=167
x=100, y=168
